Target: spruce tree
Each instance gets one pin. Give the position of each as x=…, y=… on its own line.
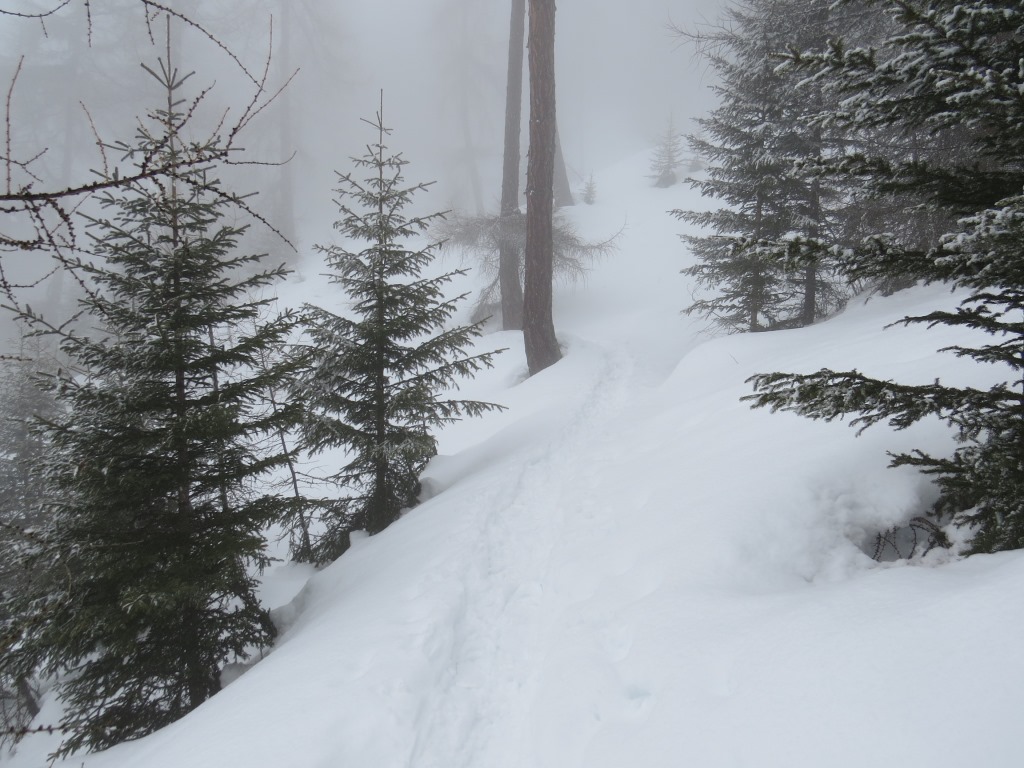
x=146, y=583
x=590, y=191
x=668, y=156
x=952, y=69
x=768, y=259
x=378, y=380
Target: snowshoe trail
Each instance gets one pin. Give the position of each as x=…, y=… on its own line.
x=490, y=648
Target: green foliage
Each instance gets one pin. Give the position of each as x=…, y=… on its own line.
x=143, y=581
x=377, y=382
x=952, y=69
x=769, y=259
x=934, y=108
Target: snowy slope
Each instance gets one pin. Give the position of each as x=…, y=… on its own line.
x=631, y=568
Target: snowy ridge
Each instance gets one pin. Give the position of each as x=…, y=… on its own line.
x=631, y=568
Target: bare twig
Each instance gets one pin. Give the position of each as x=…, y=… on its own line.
x=157, y=8
x=43, y=217
x=7, y=120
x=41, y=14
x=96, y=135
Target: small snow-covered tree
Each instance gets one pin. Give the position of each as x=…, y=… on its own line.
x=668, y=156
x=767, y=261
x=739, y=261
x=378, y=382
x=590, y=191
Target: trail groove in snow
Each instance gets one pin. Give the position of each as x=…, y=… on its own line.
x=498, y=632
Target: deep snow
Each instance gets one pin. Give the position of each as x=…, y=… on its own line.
x=629, y=567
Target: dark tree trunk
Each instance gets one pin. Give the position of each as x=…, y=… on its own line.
x=757, y=284
x=509, y=250
x=27, y=696
x=380, y=514
x=538, y=326
x=809, y=311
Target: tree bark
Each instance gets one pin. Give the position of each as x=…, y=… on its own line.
x=509, y=250
x=809, y=311
x=538, y=326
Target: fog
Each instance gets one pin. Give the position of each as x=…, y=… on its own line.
x=620, y=74
x=439, y=63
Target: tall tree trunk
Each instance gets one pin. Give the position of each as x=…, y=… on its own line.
x=809, y=311
x=757, y=285
x=303, y=552
x=26, y=696
x=538, y=326
x=509, y=250
x=380, y=513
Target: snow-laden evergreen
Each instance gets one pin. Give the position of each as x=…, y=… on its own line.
x=954, y=70
x=765, y=255
x=667, y=157
x=375, y=382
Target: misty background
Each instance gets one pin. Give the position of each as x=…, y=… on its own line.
x=621, y=74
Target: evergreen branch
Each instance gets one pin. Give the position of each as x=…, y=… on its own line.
x=828, y=396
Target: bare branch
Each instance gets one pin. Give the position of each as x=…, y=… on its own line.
x=42, y=219
x=99, y=142
x=159, y=8
x=7, y=120
x=41, y=14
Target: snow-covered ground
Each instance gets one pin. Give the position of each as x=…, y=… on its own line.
x=629, y=567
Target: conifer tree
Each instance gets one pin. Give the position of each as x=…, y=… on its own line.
x=590, y=191
x=668, y=156
x=768, y=259
x=146, y=584
x=377, y=381
x=952, y=69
